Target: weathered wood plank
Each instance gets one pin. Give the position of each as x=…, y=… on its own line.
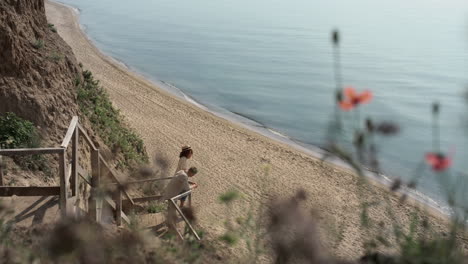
x=110, y=202
x=95, y=201
x=71, y=207
x=190, y=200
x=104, y=162
x=86, y=137
x=63, y=184
x=30, y=151
x=84, y=175
x=125, y=218
x=69, y=173
x=185, y=219
x=128, y=197
x=177, y=197
x=145, y=199
x=1, y=171
x=75, y=184
x=118, y=208
x=29, y=191
x=95, y=169
x=179, y=235
x=70, y=132
x=113, y=205
x=148, y=180
x=115, y=178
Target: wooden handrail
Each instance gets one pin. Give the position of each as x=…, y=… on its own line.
x=1, y=169
x=173, y=201
x=146, y=198
x=177, y=197
x=63, y=183
x=185, y=219
x=70, y=171
x=84, y=175
x=88, y=140
x=70, y=131
x=30, y=151
x=146, y=180
x=86, y=137
x=114, y=206
x=30, y=191
x=74, y=163
x=101, y=159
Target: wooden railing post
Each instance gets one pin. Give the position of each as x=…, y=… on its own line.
x=118, y=207
x=1, y=170
x=63, y=183
x=95, y=201
x=185, y=219
x=74, y=177
x=190, y=200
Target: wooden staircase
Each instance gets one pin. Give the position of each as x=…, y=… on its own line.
x=106, y=192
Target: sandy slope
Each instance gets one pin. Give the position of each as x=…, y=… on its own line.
x=228, y=155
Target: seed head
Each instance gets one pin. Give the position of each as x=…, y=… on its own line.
x=339, y=96
x=388, y=128
x=435, y=108
x=336, y=37
x=369, y=125
x=359, y=139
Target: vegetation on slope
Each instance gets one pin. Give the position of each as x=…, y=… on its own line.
x=95, y=104
x=16, y=132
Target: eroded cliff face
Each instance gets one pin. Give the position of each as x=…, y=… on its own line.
x=37, y=68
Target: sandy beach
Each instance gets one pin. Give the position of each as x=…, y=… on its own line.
x=230, y=156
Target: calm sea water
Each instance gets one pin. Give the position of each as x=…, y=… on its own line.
x=271, y=61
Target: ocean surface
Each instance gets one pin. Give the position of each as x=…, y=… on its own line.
x=269, y=64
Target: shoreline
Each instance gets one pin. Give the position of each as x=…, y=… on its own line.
x=251, y=124
x=274, y=152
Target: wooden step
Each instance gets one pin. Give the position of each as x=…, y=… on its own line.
x=28, y=211
x=150, y=220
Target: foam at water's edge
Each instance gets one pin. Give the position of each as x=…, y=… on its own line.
x=258, y=127
x=76, y=10
x=277, y=133
x=190, y=100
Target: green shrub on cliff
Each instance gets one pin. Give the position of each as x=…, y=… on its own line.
x=38, y=44
x=94, y=102
x=55, y=56
x=52, y=27
x=16, y=132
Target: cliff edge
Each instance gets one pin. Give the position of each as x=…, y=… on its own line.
x=37, y=68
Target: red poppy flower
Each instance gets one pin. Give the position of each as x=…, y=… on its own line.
x=353, y=99
x=438, y=161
